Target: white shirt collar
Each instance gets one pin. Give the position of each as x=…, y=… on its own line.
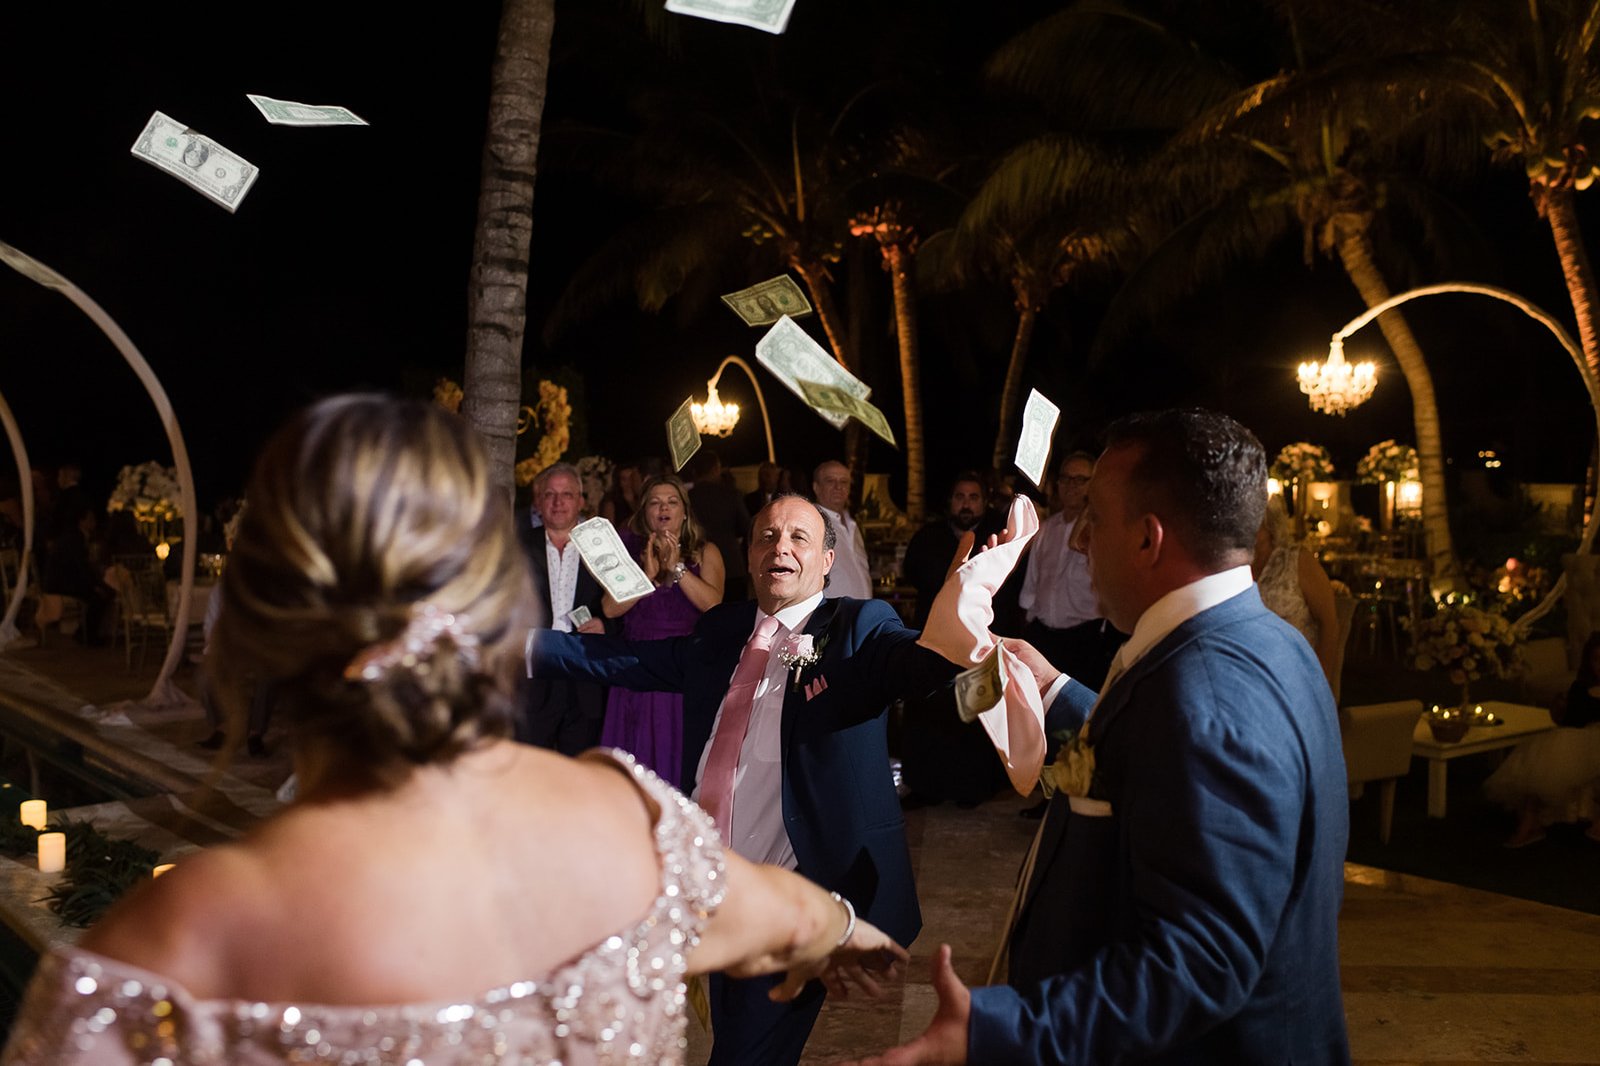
x=839, y=518
x=1180, y=605
x=792, y=617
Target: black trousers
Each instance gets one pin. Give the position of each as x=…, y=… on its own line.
x=748, y=1029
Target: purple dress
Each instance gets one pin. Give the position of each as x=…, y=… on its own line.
x=649, y=725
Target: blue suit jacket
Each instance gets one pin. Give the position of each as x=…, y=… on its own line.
x=839, y=805
x=1197, y=922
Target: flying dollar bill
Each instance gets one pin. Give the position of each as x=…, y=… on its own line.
x=602, y=552
x=769, y=15
x=792, y=356
x=291, y=113
x=830, y=399
x=683, y=439
x=980, y=689
x=764, y=304
x=196, y=160
x=1038, y=427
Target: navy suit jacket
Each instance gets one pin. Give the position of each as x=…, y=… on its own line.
x=839, y=804
x=1198, y=921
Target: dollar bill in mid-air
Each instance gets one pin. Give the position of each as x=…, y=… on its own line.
x=1038, y=427
x=792, y=356
x=683, y=439
x=769, y=15
x=291, y=113
x=196, y=160
x=602, y=552
x=765, y=303
x=980, y=689
x=830, y=399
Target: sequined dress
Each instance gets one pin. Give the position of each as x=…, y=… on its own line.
x=620, y=1002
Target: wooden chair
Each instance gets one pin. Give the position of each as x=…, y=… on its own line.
x=141, y=604
x=1377, y=747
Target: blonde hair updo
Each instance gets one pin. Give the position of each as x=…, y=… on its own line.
x=377, y=586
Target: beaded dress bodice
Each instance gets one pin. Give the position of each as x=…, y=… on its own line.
x=620, y=1002
x=1281, y=593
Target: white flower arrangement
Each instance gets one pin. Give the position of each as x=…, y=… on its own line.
x=1387, y=460
x=798, y=651
x=1303, y=461
x=149, y=490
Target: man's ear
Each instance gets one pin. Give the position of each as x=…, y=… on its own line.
x=1154, y=536
x=827, y=561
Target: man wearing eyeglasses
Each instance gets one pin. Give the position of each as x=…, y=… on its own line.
x=562, y=715
x=1057, y=598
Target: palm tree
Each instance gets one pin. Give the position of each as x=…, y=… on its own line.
x=497, y=291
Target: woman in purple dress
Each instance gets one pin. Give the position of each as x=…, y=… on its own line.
x=687, y=571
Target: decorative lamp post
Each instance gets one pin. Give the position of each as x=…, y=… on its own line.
x=717, y=419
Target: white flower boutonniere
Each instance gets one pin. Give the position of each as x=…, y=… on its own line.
x=798, y=651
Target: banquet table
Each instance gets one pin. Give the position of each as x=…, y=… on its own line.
x=1519, y=723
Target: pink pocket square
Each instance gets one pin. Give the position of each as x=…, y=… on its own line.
x=815, y=688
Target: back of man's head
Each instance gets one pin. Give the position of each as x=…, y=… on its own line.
x=1203, y=474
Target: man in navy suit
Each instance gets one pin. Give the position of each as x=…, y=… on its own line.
x=796, y=774
x=1183, y=899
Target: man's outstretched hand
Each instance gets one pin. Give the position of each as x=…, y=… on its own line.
x=944, y=1042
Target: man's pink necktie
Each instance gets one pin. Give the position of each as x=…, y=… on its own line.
x=716, y=786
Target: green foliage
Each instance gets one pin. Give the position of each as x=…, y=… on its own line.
x=99, y=871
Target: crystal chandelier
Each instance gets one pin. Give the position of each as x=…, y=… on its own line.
x=1334, y=387
x=714, y=418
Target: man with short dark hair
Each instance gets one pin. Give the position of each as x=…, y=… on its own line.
x=930, y=548
x=1183, y=895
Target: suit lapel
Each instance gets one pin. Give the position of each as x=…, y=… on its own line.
x=794, y=700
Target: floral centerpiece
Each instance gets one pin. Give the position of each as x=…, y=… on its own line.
x=1387, y=460
x=553, y=415
x=1468, y=643
x=448, y=394
x=149, y=490
x=1303, y=461
x=595, y=470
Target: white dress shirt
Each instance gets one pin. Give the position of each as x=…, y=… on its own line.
x=1167, y=614
x=562, y=564
x=1056, y=590
x=757, y=832
x=850, y=575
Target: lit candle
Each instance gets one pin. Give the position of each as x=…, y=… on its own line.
x=163, y=868
x=34, y=812
x=52, y=852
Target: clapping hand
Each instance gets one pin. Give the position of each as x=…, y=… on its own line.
x=860, y=963
x=944, y=1042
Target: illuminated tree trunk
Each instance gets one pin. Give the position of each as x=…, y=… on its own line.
x=1011, y=392
x=498, y=287
x=1559, y=209
x=1355, y=252
x=897, y=257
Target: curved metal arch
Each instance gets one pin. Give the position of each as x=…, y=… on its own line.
x=8, y=624
x=163, y=692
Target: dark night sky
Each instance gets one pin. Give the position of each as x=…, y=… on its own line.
x=346, y=266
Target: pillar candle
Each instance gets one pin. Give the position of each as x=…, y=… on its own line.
x=34, y=813
x=52, y=852
x=163, y=868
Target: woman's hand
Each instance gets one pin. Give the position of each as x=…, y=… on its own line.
x=860, y=963
x=666, y=548
x=648, y=561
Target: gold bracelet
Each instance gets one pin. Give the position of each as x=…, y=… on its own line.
x=850, y=920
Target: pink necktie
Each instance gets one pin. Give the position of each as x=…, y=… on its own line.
x=716, y=787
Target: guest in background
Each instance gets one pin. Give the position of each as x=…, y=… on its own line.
x=565, y=716
x=721, y=512
x=687, y=571
x=557, y=905
x=927, y=558
x=623, y=499
x=1295, y=587
x=74, y=571
x=1555, y=776
x=768, y=476
x=851, y=575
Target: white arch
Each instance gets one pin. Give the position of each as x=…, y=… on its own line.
x=163, y=692
x=8, y=624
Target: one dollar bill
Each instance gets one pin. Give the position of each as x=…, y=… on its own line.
x=792, y=356
x=769, y=15
x=683, y=439
x=602, y=552
x=196, y=160
x=981, y=688
x=1038, y=427
x=765, y=303
x=830, y=399
x=291, y=113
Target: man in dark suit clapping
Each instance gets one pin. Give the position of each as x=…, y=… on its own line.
x=1183, y=898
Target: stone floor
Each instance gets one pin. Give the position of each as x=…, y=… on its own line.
x=1432, y=973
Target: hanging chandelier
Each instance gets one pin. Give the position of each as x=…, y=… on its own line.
x=1335, y=386
x=714, y=418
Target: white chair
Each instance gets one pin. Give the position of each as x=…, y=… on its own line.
x=1377, y=747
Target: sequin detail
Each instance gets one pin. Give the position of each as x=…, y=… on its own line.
x=623, y=1001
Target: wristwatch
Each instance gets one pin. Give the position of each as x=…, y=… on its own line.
x=678, y=570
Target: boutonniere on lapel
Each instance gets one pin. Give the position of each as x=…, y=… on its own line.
x=1073, y=773
x=798, y=651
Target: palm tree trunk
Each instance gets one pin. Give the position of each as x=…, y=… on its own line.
x=1011, y=392
x=498, y=287
x=815, y=275
x=905, y=321
x=1355, y=252
x=1560, y=209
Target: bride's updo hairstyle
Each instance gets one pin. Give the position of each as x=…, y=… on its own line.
x=376, y=584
